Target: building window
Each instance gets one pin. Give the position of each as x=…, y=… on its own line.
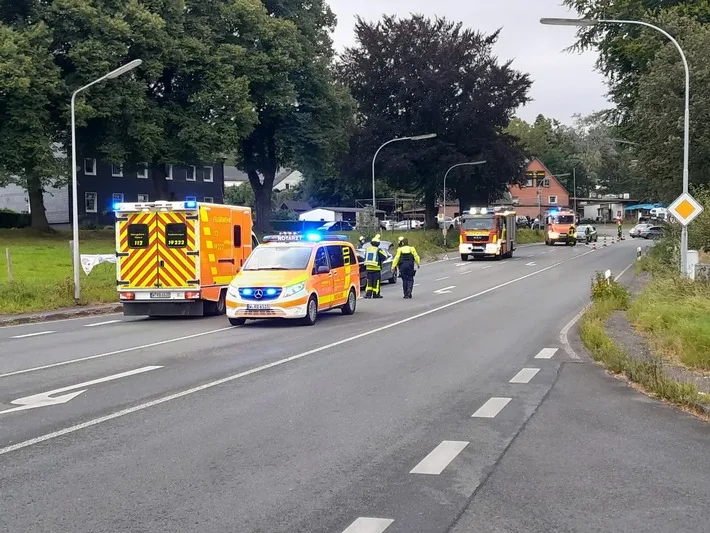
x=142, y=171
x=117, y=170
x=142, y=197
x=168, y=172
x=208, y=174
x=192, y=174
x=553, y=199
x=117, y=197
x=529, y=182
x=90, y=167
x=546, y=182
x=287, y=186
x=90, y=201
x=209, y=199
x=190, y=198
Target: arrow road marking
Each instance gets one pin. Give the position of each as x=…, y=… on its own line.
x=45, y=399
x=445, y=290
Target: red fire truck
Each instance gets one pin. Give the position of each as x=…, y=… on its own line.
x=487, y=231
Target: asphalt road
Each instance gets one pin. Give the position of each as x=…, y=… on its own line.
x=405, y=417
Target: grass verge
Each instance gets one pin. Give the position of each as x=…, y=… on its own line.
x=529, y=236
x=606, y=299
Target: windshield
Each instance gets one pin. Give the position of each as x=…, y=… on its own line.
x=562, y=219
x=480, y=223
x=279, y=258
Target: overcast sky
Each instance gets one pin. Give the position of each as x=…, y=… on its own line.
x=563, y=83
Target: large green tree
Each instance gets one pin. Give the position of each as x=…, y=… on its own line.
x=417, y=75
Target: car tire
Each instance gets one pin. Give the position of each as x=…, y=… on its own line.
x=464, y=257
x=217, y=308
x=349, y=308
x=311, y=312
x=237, y=321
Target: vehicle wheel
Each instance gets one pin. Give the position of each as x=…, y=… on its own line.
x=311, y=312
x=509, y=255
x=349, y=307
x=217, y=308
x=237, y=321
x=464, y=257
x=547, y=243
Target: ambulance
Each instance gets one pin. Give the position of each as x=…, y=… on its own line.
x=487, y=232
x=557, y=225
x=178, y=258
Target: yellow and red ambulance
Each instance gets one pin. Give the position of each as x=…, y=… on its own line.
x=295, y=276
x=178, y=258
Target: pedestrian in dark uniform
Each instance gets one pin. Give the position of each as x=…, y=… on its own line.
x=406, y=258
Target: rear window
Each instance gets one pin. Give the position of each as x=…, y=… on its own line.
x=138, y=236
x=176, y=235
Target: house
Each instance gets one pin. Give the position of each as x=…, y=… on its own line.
x=285, y=179
x=354, y=215
x=295, y=206
x=539, y=193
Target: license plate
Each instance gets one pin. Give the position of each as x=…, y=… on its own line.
x=258, y=307
x=161, y=295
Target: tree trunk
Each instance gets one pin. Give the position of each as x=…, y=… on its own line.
x=160, y=184
x=35, y=193
x=262, y=200
x=430, y=210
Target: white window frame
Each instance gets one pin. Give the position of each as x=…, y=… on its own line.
x=93, y=162
x=209, y=199
x=142, y=175
x=192, y=176
x=551, y=201
x=211, y=173
x=87, y=195
x=115, y=174
x=168, y=172
x=145, y=198
x=529, y=182
x=546, y=182
x=117, y=197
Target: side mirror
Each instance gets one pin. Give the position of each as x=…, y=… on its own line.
x=322, y=270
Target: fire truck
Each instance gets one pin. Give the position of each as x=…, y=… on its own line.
x=487, y=232
x=557, y=225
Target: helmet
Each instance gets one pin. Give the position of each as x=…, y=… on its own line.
x=400, y=239
x=362, y=238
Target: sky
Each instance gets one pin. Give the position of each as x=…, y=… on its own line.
x=564, y=83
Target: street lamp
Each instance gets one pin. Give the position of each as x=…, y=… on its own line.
x=686, y=116
x=411, y=138
x=75, y=189
x=472, y=163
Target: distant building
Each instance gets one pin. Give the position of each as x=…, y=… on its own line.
x=296, y=207
x=285, y=179
x=335, y=214
x=539, y=193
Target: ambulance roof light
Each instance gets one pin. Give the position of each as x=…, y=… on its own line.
x=117, y=206
x=190, y=204
x=299, y=237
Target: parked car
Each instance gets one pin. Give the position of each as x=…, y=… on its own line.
x=636, y=230
x=340, y=225
x=387, y=224
x=388, y=274
x=408, y=224
x=522, y=222
x=654, y=232
x=447, y=222
x=582, y=233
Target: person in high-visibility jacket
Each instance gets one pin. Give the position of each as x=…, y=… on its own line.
x=362, y=240
x=406, y=258
x=400, y=239
x=572, y=235
x=374, y=257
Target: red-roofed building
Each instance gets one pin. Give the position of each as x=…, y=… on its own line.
x=539, y=181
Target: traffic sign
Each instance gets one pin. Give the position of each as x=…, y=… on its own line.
x=685, y=208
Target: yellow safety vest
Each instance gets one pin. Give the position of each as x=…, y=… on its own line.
x=371, y=258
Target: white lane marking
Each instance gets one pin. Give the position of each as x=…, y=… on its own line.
x=439, y=458
x=542, y=253
x=105, y=323
x=466, y=272
x=485, y=267
x=442, y=279
x=460, y=264
x=488, y=410
x=445, y=290
x=530, y=264
x=417, y=284
x=85, y=317
x=115, y=352
x=45, y=399
x=32, y=334
x=280, y=362
x=525, y=375
x=546, y=353
x=564, y=333
x=369, y=525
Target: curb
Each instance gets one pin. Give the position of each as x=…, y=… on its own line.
x=60, y=314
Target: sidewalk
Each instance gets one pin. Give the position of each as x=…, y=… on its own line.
x=59, y=314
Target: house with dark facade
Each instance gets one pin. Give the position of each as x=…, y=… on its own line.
x=102, y=184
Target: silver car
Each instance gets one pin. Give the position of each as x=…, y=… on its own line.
x=582, y=233
x=638, y=229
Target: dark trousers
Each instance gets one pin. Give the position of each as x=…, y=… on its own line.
x=372, y=289
x=407, y=281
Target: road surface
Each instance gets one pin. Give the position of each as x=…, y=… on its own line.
x=458, y=410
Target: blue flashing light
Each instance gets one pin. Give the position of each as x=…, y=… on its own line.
x=190, y=204
x=314, y=237
x=271, y=292
x=117, y=206
x=247, y=292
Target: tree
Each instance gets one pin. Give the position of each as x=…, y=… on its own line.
x=239, y=195
x=29, y=81
x=417, y=75
x=302, y=112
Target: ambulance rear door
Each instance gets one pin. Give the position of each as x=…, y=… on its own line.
x=137, y=250
x=177, y=251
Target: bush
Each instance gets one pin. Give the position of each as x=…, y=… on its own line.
x=11, y=219
x=609, y=290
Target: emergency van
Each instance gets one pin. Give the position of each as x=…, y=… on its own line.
x=557, y=226
x=178, y=258
x=487, y=232
x=295, y=276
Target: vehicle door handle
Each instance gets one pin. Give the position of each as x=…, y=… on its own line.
x=225, y=261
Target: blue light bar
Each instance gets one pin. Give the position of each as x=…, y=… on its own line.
x=190, y=204
x=271, y=292
x=117, y=206
x=299, y=237
x=314, y=237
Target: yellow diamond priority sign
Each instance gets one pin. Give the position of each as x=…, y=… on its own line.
x=685, y=208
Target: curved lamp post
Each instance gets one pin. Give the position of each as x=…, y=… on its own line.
x=472, y=163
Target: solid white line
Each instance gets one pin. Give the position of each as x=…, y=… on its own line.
x=234, y=377
x=369, y=525
x=439, y=458
x=525, y=375
x=102, y=323
x=105, y=379
x=32, y=334
x=488, y=410
x=546, y=353
x=442, y=279
x=115, y=352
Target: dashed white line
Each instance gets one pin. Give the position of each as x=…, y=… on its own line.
x=445, y=290
x=32, y=334
x=439, y=458
x=369, y=525
x=530, y=264
x=485, y=267
x=417, y=284
x=442, y=279
x=460, y=264
x=466, y=272
x=525, y=375
x=491, y=408
x=101, y=323
x=546, y=353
